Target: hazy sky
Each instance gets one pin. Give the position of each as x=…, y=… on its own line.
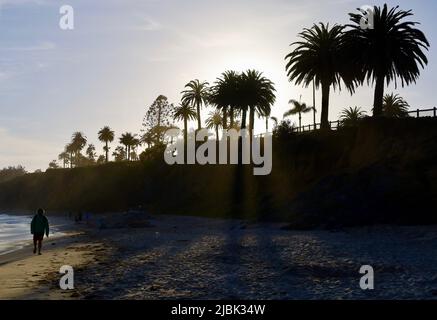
x=123, y=53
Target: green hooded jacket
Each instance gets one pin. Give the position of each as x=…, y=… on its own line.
x=39, y=225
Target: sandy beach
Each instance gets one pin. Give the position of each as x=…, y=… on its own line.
x=183, y=257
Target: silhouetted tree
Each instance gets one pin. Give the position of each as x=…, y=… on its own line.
x=392, y=48
x=158, y=118
x=147, y=138
x=119, y=154
x=318, y=57
x=196, y=94
x=65, y=158
x=128, y=140
x=298, y=108
x=257, y=95
x=53, y=165
x=78, y=142
x=101, y=159
x=394, y=106
x=351, y=116
x=91, y=153
x=185, y=112
x=224, y=95
x=69, y=148
x=106, y=135
x=215, y=122
x=10, y=173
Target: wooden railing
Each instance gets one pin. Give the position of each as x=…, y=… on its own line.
x=334, y=125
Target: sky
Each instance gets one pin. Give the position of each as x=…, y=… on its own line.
x=122, y=54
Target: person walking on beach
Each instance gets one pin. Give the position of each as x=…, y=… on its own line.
x=38, y=227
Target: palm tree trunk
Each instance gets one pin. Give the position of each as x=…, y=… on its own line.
x=300, y=122
x=314, y=118
x=225, y=118
x=324, y=122
x=199, y=122
x=314, y=104
x=185, y=140
x=106, y=151
x=232, y=116
x=251, y=120
x=243, y=119
x=267, y=124
x=240, y=141
x=216, y=134
x=379, y=96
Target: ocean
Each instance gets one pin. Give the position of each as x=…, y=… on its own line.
x=15, y=232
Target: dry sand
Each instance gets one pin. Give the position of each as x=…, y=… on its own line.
x=182, y=257
x=24, y=275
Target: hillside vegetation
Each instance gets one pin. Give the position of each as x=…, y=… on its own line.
x=382, y=171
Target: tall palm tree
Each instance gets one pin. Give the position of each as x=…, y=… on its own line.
x=351, y=116
x=267, y=117
x=106, y=135
x=185, y=112
x=128, y=140
x=392, y=49
x=78, y=142
x=64, y=157
x=91, y=152
x=318, y=56
x=257, y=95
x=298, y=108
x=196, y=94
x=147, y=138
x=215, y=121
x=225, y=96
x=394, y=106
x=69, y=148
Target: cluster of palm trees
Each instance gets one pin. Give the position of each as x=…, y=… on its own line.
x=233, y=95
x=393, y=106
x=72, y=155
x=328, y=57
x=325, y=56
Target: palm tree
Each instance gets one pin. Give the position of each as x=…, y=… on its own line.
x=318, y=56
x=392, y=49
x=298, y=108
x=351, y=116
x=224, y=95
x=394, y=106
x=119, y=154
x=196, y=94
x=69, y=148
x=128, y=140
x=185, y=112
x=106, y=135
x=215, y=121
x=236, y=125
x=91, y=152
x=147, y=138
x=78, y=142
x=257, y=95
x=64, y=157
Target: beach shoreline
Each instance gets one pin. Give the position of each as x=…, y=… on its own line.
x=188, y=257
x=28, y=276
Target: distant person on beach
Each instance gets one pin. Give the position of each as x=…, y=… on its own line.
x=38, y=227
